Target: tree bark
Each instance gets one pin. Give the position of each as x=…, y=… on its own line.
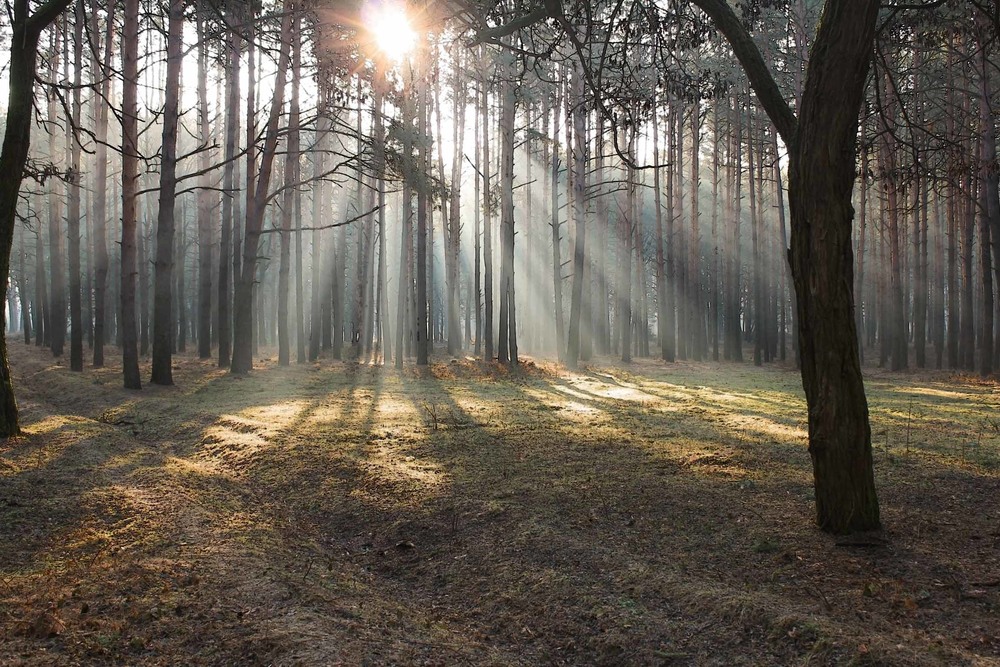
x=164, y=264
x=821, y=177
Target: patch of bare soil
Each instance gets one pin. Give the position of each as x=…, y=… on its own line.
x=338, y=513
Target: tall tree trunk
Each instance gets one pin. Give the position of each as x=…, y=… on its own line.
x=508, y=312
x=696, y=328
x=966, y=206
x=41, y=289
x=423, y=194
x=557, y=289
x=383, y=333
x=288, y=203
x=242, y=361
x=226, y=246
x=406, y=235
x=453, y=239
x=488, y=354
x=579, y=215
x=22, y=287
x=664, y=318
x=164, y=264
x=99, y=223
x=736, y=270
x=73, y=217
x=130, y=182
x=679, y=237
x=758, y=267
x=319, y=251
x=821, y=176
x=295, y=147
x=57, y=270
x=624, y=288
x=204, y=201
x=480, y=211
x=989, y=211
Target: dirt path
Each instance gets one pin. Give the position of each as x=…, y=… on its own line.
x=339, y=514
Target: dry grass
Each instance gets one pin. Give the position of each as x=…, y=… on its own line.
x=468, y=514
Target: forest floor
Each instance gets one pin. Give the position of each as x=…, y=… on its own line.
x=336, y=513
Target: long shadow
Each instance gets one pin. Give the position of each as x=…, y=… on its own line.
x=526, y=535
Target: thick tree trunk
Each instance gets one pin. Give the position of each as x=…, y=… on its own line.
x=821, y=177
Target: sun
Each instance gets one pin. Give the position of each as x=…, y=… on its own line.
x=390, y=27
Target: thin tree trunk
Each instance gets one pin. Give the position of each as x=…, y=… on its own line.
x=57, y=270
x=227, y=247
x=488, y=353
x=288, y=204
x=164, y=264
x=579, y=223
x=204, y=202
x=508, y=312
x=130, y=182
x=664, y=319
x=423, y=346
x=73, y=217
x=316, y=319
x=696, y=326
x=242, y=361
x=557, y=289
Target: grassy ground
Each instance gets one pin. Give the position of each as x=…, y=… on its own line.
x=343, y=514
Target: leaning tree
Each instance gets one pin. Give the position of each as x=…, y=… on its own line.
x=27, y=27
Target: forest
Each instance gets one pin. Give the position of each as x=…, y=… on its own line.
x=532, y=332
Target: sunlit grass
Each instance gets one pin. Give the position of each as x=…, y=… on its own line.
x=613, y=491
